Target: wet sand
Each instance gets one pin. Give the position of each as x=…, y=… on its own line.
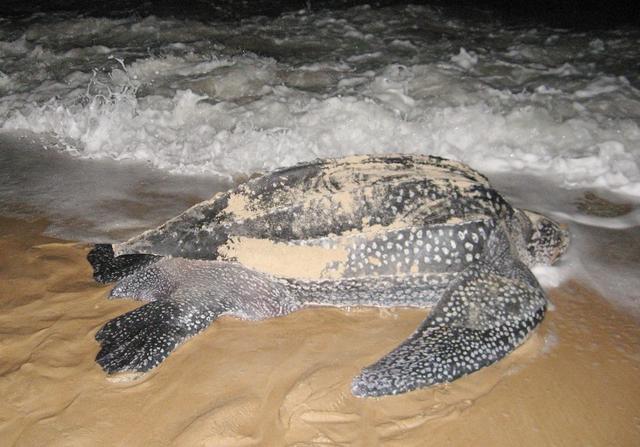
x=286, y=381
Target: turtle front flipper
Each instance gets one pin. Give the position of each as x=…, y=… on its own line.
x=484, y=314
x=186, y=297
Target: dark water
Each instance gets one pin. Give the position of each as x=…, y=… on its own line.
x=194, y=9
x=574, y=14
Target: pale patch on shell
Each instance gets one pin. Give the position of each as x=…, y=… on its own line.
x=286, y=260
x=238, y=205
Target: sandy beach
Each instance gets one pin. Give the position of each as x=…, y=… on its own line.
x=286, y=381
x=115, y=117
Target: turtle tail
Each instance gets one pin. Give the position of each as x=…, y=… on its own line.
x=109, y=268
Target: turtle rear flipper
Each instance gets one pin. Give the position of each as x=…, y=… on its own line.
x=109, y=268
x=187, y=296
x=484, y=314
x=141, y=339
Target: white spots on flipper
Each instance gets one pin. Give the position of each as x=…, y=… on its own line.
x=476, y=323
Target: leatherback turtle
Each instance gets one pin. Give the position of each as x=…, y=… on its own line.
x=393, y=230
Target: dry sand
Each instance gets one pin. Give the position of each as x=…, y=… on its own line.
x=286, y=381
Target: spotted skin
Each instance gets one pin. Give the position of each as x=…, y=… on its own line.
x=438, y=248
x=416, y=231
x=486, y=311
x=142, y=338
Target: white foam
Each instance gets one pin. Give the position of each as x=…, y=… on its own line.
x=188, y=132
x=551, y=276
x=464, y=59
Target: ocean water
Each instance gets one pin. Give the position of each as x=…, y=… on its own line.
x=111, y=124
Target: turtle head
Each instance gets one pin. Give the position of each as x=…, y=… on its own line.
x=544, y=240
